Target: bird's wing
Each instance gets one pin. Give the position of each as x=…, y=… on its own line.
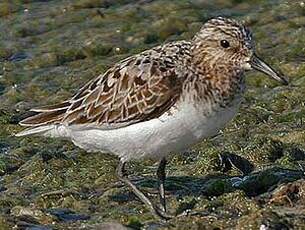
x=137, y=89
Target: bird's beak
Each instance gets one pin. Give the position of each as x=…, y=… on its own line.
x=258, y=64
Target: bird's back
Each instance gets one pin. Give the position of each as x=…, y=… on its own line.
x=137, y=89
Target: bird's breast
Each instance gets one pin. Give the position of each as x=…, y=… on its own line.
x=204, y=120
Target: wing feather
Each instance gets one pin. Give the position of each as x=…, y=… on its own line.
x=139, y=88
x=126, y=94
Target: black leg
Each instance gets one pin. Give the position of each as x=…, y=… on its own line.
x=123, y=177
x=161, y=177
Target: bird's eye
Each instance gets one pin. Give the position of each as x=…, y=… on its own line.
x=225, y=44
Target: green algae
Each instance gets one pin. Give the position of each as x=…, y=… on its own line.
x=49, y=49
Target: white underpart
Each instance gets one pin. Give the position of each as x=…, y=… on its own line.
x=173, y=132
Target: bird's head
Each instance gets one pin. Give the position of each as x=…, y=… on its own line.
x=225, y=42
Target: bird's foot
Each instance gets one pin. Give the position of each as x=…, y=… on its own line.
x=163, y=215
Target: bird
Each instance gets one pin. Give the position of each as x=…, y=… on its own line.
x=160, y=101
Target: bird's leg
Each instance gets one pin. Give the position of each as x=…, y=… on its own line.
x=123, y=177
x=161, y=177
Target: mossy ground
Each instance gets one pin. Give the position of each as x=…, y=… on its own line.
x=48, y=49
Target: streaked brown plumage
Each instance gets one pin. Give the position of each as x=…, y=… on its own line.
x=159, y=101
x=139, y=88
x=146, y=85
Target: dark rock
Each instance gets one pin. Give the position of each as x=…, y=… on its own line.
x=260, y=182
x=66, y=215
x=20, y=56
x=296, y=153
x=230, y=160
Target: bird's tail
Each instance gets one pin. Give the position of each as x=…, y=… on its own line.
x=40, y=130
x=45, y=119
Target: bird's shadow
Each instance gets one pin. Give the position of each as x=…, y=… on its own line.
x=209, y=186
x=253, y=184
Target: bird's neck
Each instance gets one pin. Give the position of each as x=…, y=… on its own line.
x=220, y=80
